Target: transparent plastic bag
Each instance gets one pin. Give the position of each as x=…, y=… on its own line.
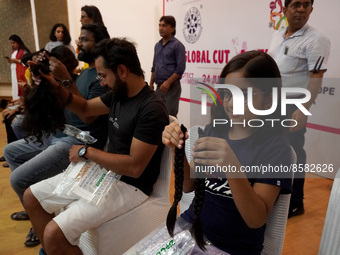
x=83, y=136
x=159, y=242
x=87, y=180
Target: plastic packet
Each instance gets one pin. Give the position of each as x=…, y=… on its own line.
x=159, y=242
x=87, y=180
x=83, y=136
x=71, y=175
x=95, y=184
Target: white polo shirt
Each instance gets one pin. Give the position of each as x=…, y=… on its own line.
x=297, y=55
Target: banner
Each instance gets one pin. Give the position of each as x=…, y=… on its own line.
x=214, y=31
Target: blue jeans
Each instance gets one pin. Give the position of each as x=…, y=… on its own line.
x=32, y=162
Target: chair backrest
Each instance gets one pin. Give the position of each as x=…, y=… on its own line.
x=276, y=226
x=330, y=239
x=277, y=221
x=161, y=187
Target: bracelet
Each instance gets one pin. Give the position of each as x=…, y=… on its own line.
x=69, y=98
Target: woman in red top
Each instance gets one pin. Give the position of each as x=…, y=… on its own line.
x=17, y=68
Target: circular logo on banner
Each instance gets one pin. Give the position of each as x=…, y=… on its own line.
x=192, y=25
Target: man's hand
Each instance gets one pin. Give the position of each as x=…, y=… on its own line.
x=301, y=120
x=8, y=113
x=165, y=86
x=73, y=155
x=58, y=69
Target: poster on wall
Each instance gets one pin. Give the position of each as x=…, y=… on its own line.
x=215, y=31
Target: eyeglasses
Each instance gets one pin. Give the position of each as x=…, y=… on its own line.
x=99, y=78
x=228, y=95
x=84, y=40
x=297, y=5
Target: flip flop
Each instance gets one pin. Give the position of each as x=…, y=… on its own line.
x=32, y=239
x=20, y=216
x=2, y=158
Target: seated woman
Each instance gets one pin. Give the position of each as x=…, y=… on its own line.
x=231, y=210
x=41, y=120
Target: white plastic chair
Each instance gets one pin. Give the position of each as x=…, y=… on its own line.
x=330, y=239
x=277, y=220
x=119, y=234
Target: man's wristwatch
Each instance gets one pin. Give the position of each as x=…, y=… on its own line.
x=82, y=152
x=67, y=83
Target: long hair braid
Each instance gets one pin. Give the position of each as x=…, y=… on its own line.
x=179, y=178
x=198, y=205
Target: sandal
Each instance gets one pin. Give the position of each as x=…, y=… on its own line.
x=2, y=158
x=32, y=239
x=20, y=216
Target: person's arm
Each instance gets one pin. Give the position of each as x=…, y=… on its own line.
x=60, y=72
x=77, y=104
x=313, y=87
x=180, y=68
x=152, y=118
x=167, y=84
x=253, y=203
x=14, y=60
x=152, y=81
x=131, y=165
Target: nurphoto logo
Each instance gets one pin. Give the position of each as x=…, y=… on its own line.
x=245, y=97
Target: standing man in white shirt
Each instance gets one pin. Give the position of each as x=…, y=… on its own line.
x=301, y=53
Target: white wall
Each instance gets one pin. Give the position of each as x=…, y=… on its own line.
x=134, y=19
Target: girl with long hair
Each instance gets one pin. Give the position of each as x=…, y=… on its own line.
x=230, y=210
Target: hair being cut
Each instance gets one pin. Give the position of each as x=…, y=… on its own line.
x=43, y=108
x=179, y=178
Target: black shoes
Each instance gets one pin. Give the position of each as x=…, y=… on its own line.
x=295, y=210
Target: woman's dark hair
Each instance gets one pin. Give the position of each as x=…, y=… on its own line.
x=287, y=2
x=169, y=20
x=28, y=56
x=43, y=108
x=119, y=51
x=66, y=38
x=18, y=40
x=198, y=202
x=66, y=56
x=93, y=13
x=197, y=231
x=262, y=72
x=179, y=178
